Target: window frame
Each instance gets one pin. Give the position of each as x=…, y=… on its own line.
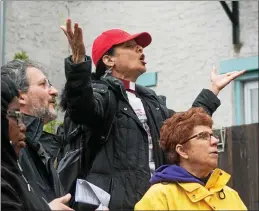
x=250, y=64
x=248, y=86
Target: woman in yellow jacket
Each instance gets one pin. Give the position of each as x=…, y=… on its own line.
x=193, y=181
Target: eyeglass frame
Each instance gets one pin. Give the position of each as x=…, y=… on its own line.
x=17, y=115
x=46, y=80
x=199, y=134
x=49, y=85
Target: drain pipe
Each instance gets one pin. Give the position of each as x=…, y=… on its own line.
x=2, y=31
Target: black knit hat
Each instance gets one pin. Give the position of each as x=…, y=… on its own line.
x=8, y=93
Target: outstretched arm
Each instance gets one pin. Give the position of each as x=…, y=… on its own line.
x=83, y=105
x=208, y=97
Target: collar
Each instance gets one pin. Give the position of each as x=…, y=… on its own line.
x=129, y=86
x=29, y=120
x=116, y=85
x=217, y=181
x=34, y=128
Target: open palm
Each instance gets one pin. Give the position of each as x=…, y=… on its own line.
x=75, y=40
x=219, y=81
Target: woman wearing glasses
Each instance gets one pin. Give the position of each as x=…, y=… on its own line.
x=192, y=181
x=16, y=125
x=16, y=192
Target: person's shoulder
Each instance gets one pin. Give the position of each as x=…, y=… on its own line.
x=150, y=92
x=10, y=199
x=228, y=189
x=233, y=196
x=145, y=90
x=99, y=86
x=163, y=188
x=231, y=192
x=157, y=197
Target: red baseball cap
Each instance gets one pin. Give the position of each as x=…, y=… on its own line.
x=114, y=37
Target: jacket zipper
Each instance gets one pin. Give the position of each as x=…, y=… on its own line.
x=132, y=116
x=28, y=185
x=158, y=155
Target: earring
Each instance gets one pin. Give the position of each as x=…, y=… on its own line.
x=107, y=72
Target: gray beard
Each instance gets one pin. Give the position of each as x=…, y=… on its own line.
x=44, y=114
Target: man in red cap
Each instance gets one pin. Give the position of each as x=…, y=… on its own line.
x=131, y=150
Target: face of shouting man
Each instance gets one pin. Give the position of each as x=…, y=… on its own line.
x=127, y=61
x=39, y=100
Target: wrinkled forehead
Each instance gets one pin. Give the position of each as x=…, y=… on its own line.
x=35, y=74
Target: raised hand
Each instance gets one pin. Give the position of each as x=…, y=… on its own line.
x=219, y=81
x=75, y=40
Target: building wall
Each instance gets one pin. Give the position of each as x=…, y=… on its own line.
x=188, y=38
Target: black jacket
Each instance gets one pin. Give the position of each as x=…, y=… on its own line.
x=16, y=193
x=37, y=160
x=122, y=166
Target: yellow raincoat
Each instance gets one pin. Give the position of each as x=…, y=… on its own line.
x=193, y=196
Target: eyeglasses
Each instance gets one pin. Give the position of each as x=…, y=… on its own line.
x=17, y=115
x=203, y=135
x=46, y=83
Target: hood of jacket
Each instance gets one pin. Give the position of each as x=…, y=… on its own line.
x=8, y=93
x=173, y=173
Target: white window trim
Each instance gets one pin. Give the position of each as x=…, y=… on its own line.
x=248, y=85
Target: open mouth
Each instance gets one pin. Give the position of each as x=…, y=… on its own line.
x=142, y=58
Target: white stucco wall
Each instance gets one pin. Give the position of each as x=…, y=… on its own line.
x=188, y=38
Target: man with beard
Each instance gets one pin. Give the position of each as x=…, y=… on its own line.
x=37, y=101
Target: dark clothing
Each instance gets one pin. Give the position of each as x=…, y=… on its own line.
x=122, y=166
x=37, y=160
x=51, y=143
x=16, y=193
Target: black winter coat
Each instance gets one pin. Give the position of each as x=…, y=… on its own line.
x=122, y=166
x=16, y=193
x=37, y=160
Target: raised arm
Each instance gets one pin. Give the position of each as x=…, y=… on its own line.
x=83, y=105
x=208, y=97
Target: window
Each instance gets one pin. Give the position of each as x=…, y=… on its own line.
x=246, y=89
x=251, y=102
x=148, y=79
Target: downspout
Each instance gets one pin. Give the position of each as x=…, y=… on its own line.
x=2, y=31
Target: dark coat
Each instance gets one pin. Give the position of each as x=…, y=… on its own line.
x=16, y=192
x=122, y=166
x=37, y=160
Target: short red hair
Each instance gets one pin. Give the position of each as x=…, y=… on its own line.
x=179, y=127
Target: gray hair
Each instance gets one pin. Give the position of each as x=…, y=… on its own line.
x=16, y=70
